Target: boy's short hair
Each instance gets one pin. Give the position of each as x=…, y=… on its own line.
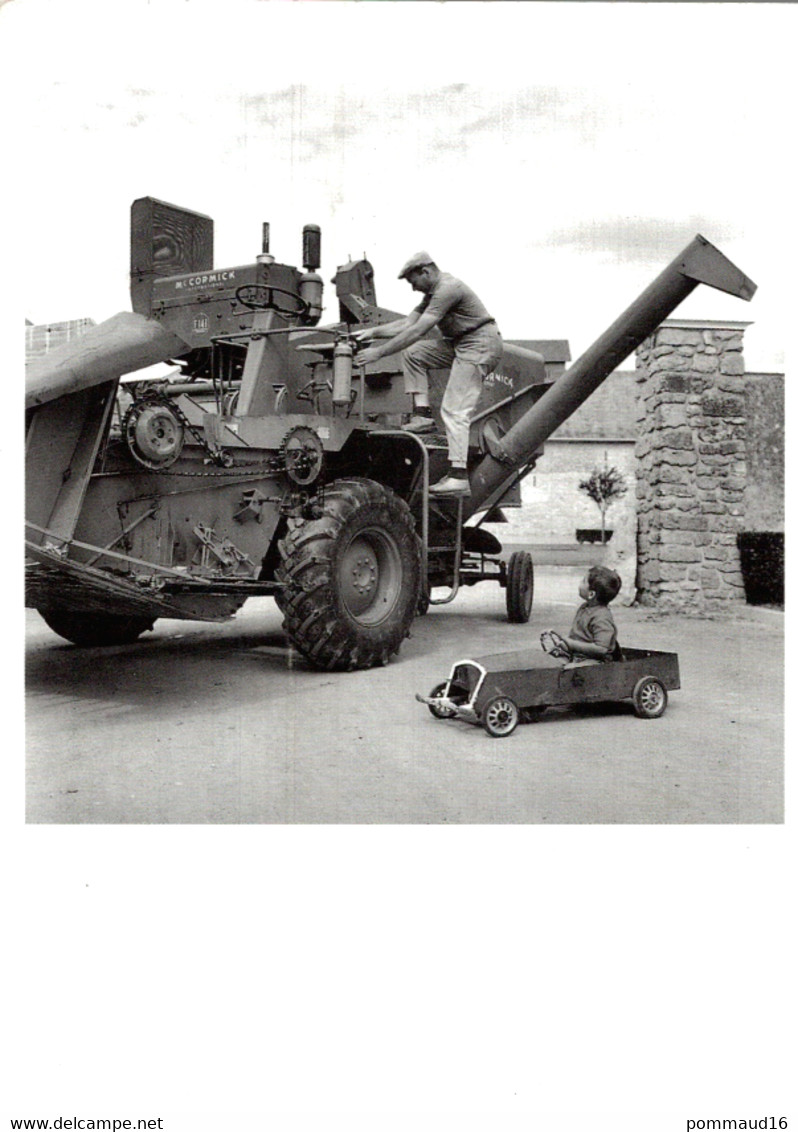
x=604, y=583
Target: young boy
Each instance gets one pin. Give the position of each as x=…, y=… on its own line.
x=593, y=636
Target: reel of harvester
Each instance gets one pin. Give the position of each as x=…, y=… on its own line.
x=153, y=433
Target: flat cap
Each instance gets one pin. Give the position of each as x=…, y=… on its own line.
x=420, y=259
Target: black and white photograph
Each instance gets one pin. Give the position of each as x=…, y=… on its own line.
x=398, y=694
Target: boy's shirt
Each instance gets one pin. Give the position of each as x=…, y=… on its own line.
x=595, y=623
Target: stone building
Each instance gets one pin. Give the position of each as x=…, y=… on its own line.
x=42, y=338
x=601, y=433
x=710, y=447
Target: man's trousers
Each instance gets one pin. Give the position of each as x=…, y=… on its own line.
x=471, y=360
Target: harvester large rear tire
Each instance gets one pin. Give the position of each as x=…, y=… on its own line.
x=520, y=587
x=89, y=629
x=352, y=577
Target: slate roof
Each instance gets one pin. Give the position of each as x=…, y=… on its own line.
x=609, y=413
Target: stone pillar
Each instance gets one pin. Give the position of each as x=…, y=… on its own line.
x=691, y=465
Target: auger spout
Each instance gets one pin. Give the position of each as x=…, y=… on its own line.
x=700, y=262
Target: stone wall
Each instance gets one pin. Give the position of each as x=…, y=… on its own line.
x=764, y=488
x=691, y=453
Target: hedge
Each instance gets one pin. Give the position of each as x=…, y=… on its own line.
x=762, y=566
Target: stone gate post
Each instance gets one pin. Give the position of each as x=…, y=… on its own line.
x=691, y=465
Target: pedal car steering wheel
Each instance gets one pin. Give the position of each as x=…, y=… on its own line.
x=555, y=645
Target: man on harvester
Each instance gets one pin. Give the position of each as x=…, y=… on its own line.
x=469, y=342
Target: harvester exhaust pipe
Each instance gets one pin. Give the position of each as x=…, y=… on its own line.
x=700, y=262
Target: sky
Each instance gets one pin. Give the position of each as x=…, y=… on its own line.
x=556, y=156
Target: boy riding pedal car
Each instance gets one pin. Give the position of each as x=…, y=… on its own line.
x=593, y=637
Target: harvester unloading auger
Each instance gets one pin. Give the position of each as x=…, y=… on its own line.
x=268, y=462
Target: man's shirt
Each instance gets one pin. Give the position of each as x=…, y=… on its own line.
x=454, y=306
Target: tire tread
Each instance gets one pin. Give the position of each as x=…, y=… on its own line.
x=312, y=619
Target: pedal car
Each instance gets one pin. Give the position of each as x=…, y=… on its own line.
x=498, y=692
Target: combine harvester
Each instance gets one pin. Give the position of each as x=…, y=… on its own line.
x=270, y=463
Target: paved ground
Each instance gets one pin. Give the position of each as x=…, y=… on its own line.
x=223, y=724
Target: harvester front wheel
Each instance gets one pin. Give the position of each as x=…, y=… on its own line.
x=89, y=629
x=520, y=587
x=352, y=577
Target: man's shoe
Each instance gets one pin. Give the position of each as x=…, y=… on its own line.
x=417, y=423
x=451, y=485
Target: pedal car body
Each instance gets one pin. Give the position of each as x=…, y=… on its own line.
x=502, y=690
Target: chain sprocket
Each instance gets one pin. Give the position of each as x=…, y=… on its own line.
x=154, y=429
x=303, y=455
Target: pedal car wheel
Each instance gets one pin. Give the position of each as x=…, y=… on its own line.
x=500, y=717
x=649, y=698
x=439, y=711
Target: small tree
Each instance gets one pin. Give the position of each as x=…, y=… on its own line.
x=604, y=486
